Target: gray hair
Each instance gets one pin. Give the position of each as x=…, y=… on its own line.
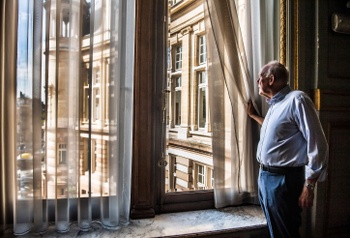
x=275, y=68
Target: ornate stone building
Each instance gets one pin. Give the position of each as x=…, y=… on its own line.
x=68, y=99
x=188, y=137
x=189, y=153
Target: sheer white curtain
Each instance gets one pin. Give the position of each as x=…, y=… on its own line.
x=241, y=37
x=68, y=145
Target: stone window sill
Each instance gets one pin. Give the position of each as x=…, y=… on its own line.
x=246, y=221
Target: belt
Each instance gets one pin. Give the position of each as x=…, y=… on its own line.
x=280, y=170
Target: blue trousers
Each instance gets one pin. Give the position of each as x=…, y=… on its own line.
x=279, y=197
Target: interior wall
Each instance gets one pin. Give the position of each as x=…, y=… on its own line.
x=324, y=72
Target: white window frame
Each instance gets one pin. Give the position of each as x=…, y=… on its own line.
x=201, y=177
x=62, y=153
x=178, y=57
x=202, y=50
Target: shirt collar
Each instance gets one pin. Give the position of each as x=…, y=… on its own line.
x=279, y=96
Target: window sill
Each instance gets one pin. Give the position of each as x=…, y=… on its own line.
x=208, y=223
x=239, y=221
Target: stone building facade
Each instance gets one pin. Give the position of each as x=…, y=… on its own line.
x=188, y=137
x=189, y=153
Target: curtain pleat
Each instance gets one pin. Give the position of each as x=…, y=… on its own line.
x=121, y=126
x=232, y=68
x=40, y=216
x=8, y=52
x=66, y=139
x=84, y=203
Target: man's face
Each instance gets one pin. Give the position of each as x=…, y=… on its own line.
x=264, y=87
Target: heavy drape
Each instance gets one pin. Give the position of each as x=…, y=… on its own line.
x=241, y=37
x=66, y=112
x=8, y=108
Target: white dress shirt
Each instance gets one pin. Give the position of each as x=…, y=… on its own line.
x=292, y=136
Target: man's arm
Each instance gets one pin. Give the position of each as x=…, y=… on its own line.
x=306, y=198
x=253, y=114
x=317, y=148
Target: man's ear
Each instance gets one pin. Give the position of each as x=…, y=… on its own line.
x=271, y=79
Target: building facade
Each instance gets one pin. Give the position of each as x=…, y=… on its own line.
x=188, y=147
x=78, y=148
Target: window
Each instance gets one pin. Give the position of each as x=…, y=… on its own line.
x=204, y=178
x=65, y=24
x=96, y=76
x=76, y=99
x=201, y=177
x=202, y=99
x=177, y=101
x=65, y=29
x=178, y=57
x=53, y=103
x=168, y=58
x=202, y=51
x=96, y=95
x=96, y=102
x=62, y=153
x=174, y=2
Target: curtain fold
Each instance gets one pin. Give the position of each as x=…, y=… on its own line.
x=68, y=103
x=234, y=58
x=8, y=52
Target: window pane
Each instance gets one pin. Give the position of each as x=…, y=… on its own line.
x=178, y=58
x=188, y=151
x=202, y=50
x=24, y=103
x=202, y=107
x=62, y=153
x=178, y=107
x=202, y=99
x=75, y=82
x=201, y=177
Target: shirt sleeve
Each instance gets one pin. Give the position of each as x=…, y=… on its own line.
x=317, y=146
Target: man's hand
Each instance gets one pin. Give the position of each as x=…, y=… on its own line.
x=306, y=198
x=250, y=109
x=253, y=114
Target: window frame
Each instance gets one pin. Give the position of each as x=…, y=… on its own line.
x=202, y=50
x=177, y=100
x=201, y=176
x=202, y=89
x=178, y=57
x=62, y=153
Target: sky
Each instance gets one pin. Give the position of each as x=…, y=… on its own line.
x=25, y=49
x=24, y=72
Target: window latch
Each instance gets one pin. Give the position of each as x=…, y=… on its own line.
x=162, y=162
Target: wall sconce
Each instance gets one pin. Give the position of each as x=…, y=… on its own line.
x=341, y=22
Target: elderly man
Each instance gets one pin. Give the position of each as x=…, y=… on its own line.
x=292, y=151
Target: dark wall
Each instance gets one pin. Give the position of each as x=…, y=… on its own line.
x=331, y=83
